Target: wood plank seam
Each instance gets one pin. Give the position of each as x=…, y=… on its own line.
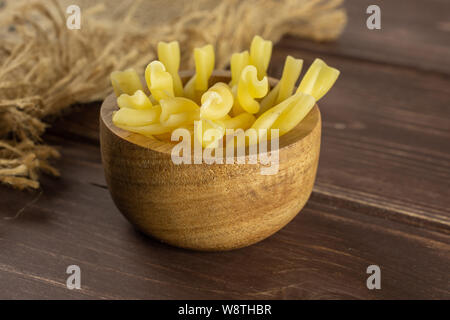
x=354, y=58
x=378, y=209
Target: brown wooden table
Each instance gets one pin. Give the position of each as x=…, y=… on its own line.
x=381, y=196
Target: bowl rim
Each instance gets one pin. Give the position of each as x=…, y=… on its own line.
x=109, y=105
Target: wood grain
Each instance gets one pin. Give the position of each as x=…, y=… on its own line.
x=322, y=253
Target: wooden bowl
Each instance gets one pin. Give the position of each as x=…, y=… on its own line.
x=201, y=206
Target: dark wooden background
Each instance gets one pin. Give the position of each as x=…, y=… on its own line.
x=381, y=196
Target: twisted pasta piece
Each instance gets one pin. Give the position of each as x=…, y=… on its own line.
x=242, y=121
x=138, y=100
x=169, y=55
x=159, y=81
x=260, y=53
x=285, y=115
x=249, y=88
x=318, y=80
x=204, y=66
x=165, y=109
x=210, y=132
x=237, y=63
x=236, y=109
x=178, y=111
x=293, y=115
x=147, y=130
x=137, y=117
x=291, y=72
x=216, y=102
x=283, y=89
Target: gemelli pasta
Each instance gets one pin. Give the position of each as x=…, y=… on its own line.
x=246, y=102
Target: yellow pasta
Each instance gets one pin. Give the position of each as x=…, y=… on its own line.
x=291, y=72
x=189, y=90
x=127, y=82
x=204, y=66
x=178, y=111
x=286, y=115
x=249, y=88
x=242, y=121
x=238, y=62
x=236, y=109
x=138, y=100
x=169, y=55
x=148, y=130
x=159, y=81
x=244, y=103
x=216, y=102
x=269, y=100
x=293, y=115
x=204, y=62
x=318, y=79
x=266, y=120
x=137, y=117
x=283, y=89
x=260, y=53
x=210, y=132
